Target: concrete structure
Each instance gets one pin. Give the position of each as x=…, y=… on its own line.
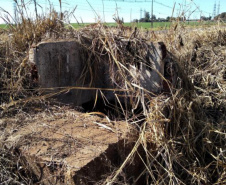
x=151, y=74
x=61, y=64
x=65, y=64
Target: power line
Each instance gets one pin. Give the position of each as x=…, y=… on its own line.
x=201, y=11
x=163, y=4
x=83, y=6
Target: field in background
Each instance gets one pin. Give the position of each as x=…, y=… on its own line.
x=3, y=26
x=146, y=25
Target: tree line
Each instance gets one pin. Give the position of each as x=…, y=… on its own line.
x=147, y=18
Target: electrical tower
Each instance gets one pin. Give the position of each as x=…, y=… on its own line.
x=218, y=9
x=214, y=10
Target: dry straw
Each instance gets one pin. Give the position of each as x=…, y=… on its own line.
x=181, y=133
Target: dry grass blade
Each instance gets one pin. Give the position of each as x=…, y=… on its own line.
x=126, y=161
x=181, y=133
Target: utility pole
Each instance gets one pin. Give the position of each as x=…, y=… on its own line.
x=131, y=15
x=200, y=16
x=152, y=15
x=214, y=10
x=103, y=11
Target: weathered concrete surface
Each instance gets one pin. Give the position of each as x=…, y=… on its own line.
x=151, y=75
x=62, y=64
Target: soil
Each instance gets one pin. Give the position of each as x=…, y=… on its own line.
x=66, y=146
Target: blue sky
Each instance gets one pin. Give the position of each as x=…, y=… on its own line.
x=92, y=10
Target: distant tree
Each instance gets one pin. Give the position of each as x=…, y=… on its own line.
x=142, y=20
x=205, y=18
x=135, y=20
x=147, y=17
x=171, y=18
x=154, y=18
x=161, y=20
x=168, y=18
x=221, y=16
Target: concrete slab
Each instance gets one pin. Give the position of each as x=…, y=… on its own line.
x=64, y=64
x=60, y=64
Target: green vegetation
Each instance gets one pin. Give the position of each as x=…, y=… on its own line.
x=3, y=26
x=147, y=25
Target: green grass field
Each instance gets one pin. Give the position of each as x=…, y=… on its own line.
x=156, y=25
x=3, y=26
x=145, y=25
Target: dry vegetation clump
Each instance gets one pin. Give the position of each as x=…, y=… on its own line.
x=17, y=83
x=17, y=74
x=119, y=48
x=182, y=133
x=14, y=167
x=191, y=146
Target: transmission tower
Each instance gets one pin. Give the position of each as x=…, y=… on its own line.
x=214, y=10
x=218, y=9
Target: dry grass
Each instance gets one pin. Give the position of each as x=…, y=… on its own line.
x=183, y=133
x=192, y=145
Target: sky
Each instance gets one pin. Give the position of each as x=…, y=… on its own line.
x=105, y=10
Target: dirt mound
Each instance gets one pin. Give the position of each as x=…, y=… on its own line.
x=67, y=146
